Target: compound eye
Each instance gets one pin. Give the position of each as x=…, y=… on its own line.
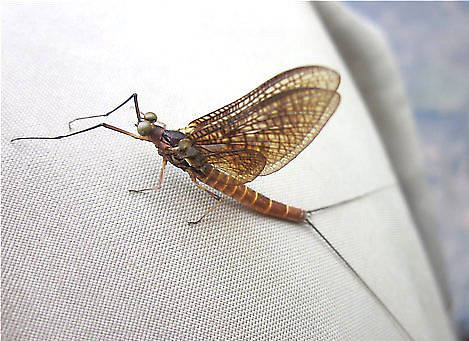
x=150, y=116
x=144, y=128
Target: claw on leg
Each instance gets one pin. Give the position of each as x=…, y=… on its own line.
x=154, y=188
x=206, y=213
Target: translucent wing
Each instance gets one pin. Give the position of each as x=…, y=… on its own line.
x=279, y=127
x=299, y=78
x=243, y=165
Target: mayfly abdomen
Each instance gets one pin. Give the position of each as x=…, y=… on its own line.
x=250, y=198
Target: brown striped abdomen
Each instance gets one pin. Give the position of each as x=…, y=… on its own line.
x=250, y=198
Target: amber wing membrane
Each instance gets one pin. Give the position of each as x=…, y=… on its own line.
x=278, y=128
x=243, y=165
x=303, y=77
x=269, y=126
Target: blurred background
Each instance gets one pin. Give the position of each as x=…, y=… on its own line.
x=430, y=42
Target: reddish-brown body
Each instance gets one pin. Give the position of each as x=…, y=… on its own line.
x=250, y=198
x=256, y=135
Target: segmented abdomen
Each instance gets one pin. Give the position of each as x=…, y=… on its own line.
x=250, y=198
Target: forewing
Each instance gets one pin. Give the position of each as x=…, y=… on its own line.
x=279, y=128
x=243, y=165
x=318, y=77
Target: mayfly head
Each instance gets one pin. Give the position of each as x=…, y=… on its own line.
x=149, y=127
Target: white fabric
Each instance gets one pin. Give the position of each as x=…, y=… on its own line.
x=84, y=259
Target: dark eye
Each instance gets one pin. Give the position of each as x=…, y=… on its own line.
x=166, y=138
x=172, y=137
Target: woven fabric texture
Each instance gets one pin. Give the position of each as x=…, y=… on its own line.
x=82, y=258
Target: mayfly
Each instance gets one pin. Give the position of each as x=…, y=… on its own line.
x=257, y=134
